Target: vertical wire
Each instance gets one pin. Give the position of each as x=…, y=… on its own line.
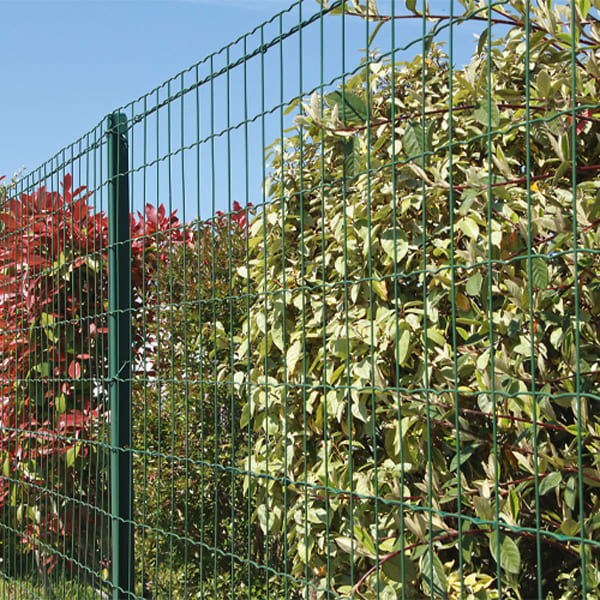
x=229, y=293
x=4, y=520
x=247, y=333
x=324, y=303
x=102, y=358
x=201, y=232
x=159, y=382
x=266, y=306
x=18, y=485
x=451, y=210
x=532, y=361
x=396, y=275
x=372, y=311
x=425, y=304
x=3, y=478
x=36, y=360
x=4, y=382
x=15, y=483
x=490, y=261
x=62, y=349
x=347, y=311
x=214, y=317
x=132, y=355
x=145, y=358
x=148, y=535
x=201, y=235
x=99, y=363
x=85, y=371
x=27, y=360
x=284, y=294
x=230, y=299
x=92, y=372
x=171, y=377
x=221, y=405
x=576, y=293
x=303, y=291
x=186, y=362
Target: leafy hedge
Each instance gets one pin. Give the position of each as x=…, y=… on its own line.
x=420, y=365
x=189, y=494
x=54, y=409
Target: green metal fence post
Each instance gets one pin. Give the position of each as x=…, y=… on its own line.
x=119, y=335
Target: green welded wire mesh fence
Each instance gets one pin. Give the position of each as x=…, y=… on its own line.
x=316, y=318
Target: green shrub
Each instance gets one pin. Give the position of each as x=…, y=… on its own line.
x=419, y=369
x=189, y=494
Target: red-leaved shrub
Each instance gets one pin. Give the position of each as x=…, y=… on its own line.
x=53, y=366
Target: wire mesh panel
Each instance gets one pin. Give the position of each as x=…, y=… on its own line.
x=54, y=501
x=363, y=320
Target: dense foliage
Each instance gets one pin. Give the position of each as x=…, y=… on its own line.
x=188, y=492
x=420, y=365
x=53, y=346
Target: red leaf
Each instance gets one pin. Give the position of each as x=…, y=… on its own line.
x=73, y=420
x=581, y=122
x=74, y=370
x=67, y=182
x=151, y=214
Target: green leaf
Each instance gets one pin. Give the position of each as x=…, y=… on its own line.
x=380, y=288
x=483, y=508
x=375, y=32
x=543, y=83
x=570, y=493
x=412, y=140
x=61, y=404
x=277, y=335
x=363, y=535
x=584, y=7
x=473, y=286
x=510, y=557
x=539, y=273
x=410, y=5
x=352, y=108
x=483, y=38
x=466, y=200
x=394, y=243
x=43, y=368
x=402, y=345
x=48, y=325
x=550, y=482
x=346, y=544
x=513, y=498
x=392, y=567
x=491, y=118
x=469, y=227
x=363, y=369
x=465, y=455
x=569, y=527
x=435, y=336
x=351, y=148
x=293, y=354
x=359, y=410
x=70, y=456
x=563, y=168
x=433, y=576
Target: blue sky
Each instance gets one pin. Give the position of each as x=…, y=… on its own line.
x=69, y=63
